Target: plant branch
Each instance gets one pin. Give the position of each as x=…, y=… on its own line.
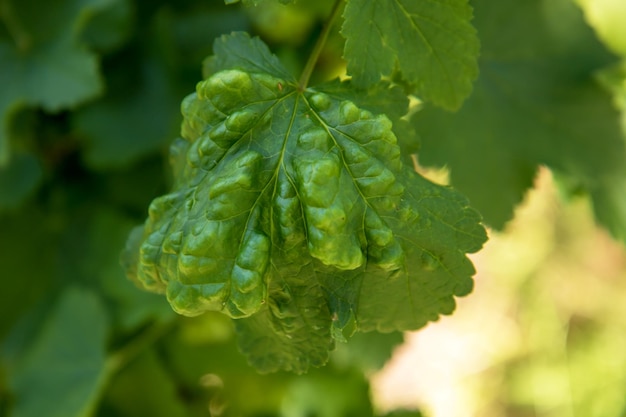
x=319, y=45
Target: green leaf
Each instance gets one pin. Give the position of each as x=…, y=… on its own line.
x=18, y=180
x=382, y=98
x=536, y=102
x=435, y=227
x=25, y=232
x=239, y=51
x=43, y=64
x=256, y=2
x=607, y=17
x=107, y=27
x=432, y=43
x=343, y=394
x=99, y=237
x=294, y=209
x=292, y=332
x=367, y=351
x=141, y=100
x=609, y=205
x=158, y=396
x=404, y=413
x=143, y=111
x=62, y=373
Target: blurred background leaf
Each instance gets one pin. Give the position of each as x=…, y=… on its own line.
x=62, y=373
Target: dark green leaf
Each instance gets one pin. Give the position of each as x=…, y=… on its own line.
x=324, y=395
x=62, y=373
x=293, y=332
x=158, y=396
x=109, y=26
x=536, y=102
x=131, y=121
x=255, y=2
x=404, y=413
x=432, y=43
x=43, y=64
x=97, y=261
x=18, y=180
x=367, y=351
x=27, y=250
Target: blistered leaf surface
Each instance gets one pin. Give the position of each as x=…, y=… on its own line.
x=293, y=211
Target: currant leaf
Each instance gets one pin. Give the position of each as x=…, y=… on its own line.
x=537, y=102
x=293, y=211
x=432, y=43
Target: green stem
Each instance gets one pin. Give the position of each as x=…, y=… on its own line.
x=139, y=344
x=319, y=45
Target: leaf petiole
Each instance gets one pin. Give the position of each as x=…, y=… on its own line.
x=319, y=45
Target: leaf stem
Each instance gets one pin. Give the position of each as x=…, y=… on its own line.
x=319, y=45
x=117, y=360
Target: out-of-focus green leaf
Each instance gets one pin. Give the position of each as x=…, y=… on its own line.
x=256, y=2
x=203, y=355
x=609, y=205
x=18, y=180
x=404, y=413
x=367, y=351
x=62, y=373
x=607, y=18
x=290, y=207
x=432, y=43
x=131, y=306
x=42, y=62
x=27, y=250
x=135, y=118
x=145, y=388
x=192, y=30
x=108, y=27
x=289, y=26
x=536, y=102
x=139, y=111
x=343, y=395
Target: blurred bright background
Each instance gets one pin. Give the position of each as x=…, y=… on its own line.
x=543, y=334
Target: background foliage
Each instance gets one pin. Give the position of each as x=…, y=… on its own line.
x=89, y=103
